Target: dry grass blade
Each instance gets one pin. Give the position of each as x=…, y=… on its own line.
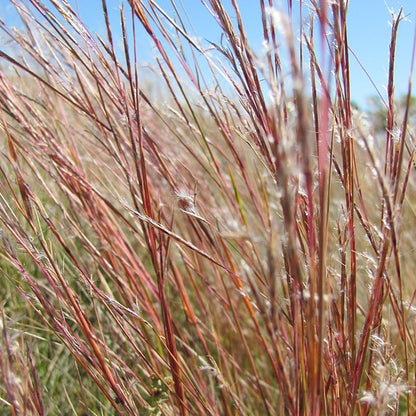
x=237, y=243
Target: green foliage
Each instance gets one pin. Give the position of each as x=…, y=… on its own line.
x=377, y=111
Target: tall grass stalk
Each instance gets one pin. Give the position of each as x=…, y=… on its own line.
x=237, y=244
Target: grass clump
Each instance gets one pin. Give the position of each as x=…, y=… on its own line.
x=237, y=244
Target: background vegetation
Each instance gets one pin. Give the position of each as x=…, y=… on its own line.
x=242, y=248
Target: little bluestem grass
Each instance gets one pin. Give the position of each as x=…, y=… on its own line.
x=237, y=244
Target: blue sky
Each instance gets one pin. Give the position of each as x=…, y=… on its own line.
x=369, y=35
x=369, y=38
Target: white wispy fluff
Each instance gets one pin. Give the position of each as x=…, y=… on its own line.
x=280, y=21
